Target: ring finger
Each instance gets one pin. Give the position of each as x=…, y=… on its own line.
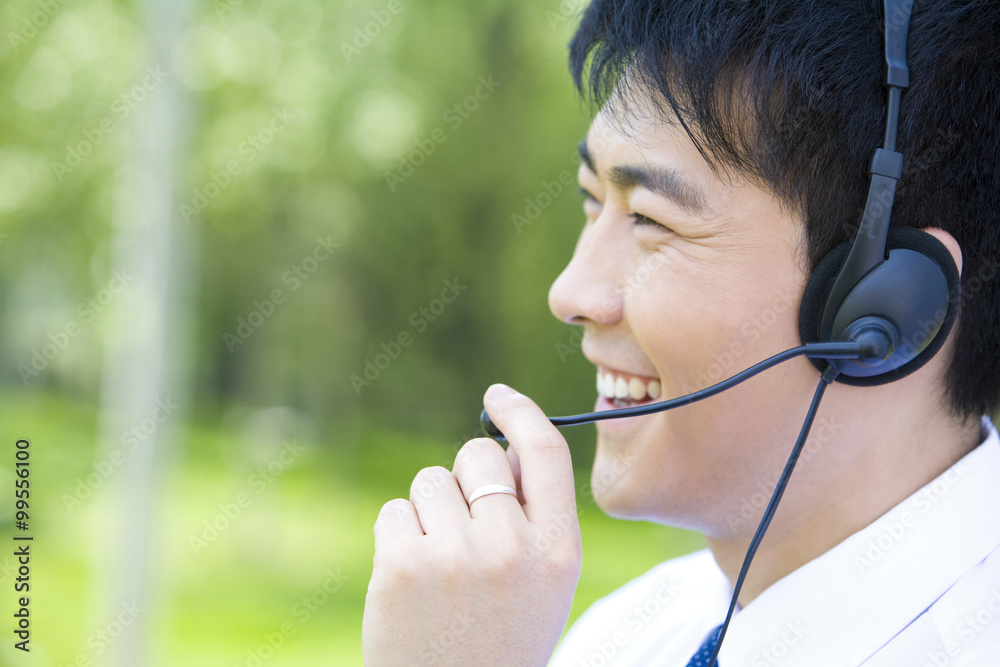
x=482, y=464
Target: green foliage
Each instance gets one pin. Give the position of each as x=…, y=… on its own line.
x=380, y=195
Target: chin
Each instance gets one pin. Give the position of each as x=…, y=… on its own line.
x=615, y=490
x=624, y=487
x=616, y=505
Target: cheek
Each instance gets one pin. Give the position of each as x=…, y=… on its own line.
x=680, y=318
x=700, y=325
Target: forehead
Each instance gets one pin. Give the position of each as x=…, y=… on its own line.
x=637, y=133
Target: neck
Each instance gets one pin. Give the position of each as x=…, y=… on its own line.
x=869, y=468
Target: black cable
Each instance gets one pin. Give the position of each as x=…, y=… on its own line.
x=829, y=350
x=829, y=375
x=849, y=350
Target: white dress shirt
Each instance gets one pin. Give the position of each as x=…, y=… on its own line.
x=919, y=587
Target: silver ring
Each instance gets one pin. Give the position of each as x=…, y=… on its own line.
x=489, y=490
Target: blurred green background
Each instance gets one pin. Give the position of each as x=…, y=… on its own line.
x=259, y=259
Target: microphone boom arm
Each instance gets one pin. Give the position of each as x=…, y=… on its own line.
x=831, y=350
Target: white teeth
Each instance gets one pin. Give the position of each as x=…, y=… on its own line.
x=621, y=388
x=654, y=389
x=608, y=385
x=632, y=389
x=636, y=389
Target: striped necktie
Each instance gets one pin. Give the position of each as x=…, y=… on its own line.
x=701, y=658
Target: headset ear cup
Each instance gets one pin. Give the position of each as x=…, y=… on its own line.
x=820, y=283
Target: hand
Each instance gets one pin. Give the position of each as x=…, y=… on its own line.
x=486, y=585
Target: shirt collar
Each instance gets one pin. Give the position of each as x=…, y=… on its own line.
x=882, y=577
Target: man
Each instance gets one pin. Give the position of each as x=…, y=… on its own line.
x=729, y=156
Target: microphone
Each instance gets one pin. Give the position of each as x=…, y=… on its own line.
x=866, y=349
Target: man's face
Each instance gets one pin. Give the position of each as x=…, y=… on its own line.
x=681, y=278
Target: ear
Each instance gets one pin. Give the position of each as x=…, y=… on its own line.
x=949, y=242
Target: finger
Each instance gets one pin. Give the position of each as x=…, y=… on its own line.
x=479, y=463
x=546, y=466
x=515, y=467
x=437, y=499
x=397, y=522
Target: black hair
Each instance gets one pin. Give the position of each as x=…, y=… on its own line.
x=790, y=93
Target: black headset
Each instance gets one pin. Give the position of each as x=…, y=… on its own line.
x=893, y=289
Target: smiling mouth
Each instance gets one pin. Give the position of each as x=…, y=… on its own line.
x=625, y=389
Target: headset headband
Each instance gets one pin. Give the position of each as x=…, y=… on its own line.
x=869, y=247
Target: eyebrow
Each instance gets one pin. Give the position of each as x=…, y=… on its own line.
x=663, y=181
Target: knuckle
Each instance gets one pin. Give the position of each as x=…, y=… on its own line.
x=403, y=572
x=478, y=446
x=557, y=552
x=394, y=508
x=474, y=450
x=500, y=563
x=453, y=564
x=564, y=560
x=427, y=482
x=394, y=512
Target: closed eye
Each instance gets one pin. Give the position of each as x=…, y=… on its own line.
x=586, y=194
x=642, y=220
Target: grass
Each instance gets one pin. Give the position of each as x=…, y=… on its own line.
x=283, y=582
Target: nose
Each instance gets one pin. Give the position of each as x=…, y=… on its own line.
x=587, y=292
